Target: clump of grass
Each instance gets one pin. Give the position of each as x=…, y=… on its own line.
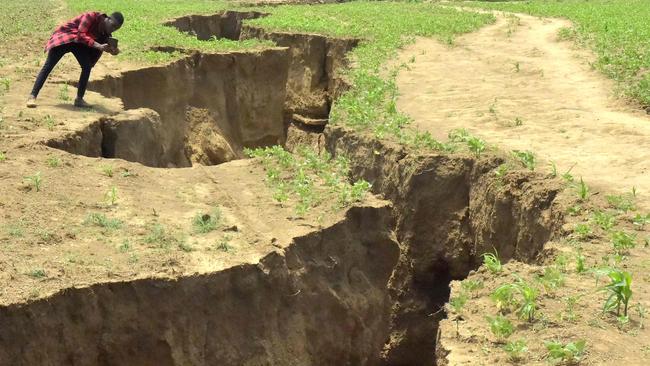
x=224, y=244
x=623, y=242
x=160, y=236
x=37, y=273
x=583, y=190
x=111, y=196
x=476, y=146
x=3, y=157
x=107, y=170
x=49, y=122
x=64, y=93
x=53, y=162
x=472, y=286
x=622, y=203
x=552, y=279
x=583, y=231
x=206, y=222
x=526, y=158
x=99, y=219
x=604, y=220
x=458, y=302
x=492, y=262
x=35, y=181
x=639, y=221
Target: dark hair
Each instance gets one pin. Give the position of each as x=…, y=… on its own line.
x=119, y=18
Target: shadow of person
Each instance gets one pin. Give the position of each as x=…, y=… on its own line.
x=98, y=108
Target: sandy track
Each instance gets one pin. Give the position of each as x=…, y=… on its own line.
x=518, y=70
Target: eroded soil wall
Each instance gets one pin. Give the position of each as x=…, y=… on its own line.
x=449, y=210
x=321, y=301
x=242, y=93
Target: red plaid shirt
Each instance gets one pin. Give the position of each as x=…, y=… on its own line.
x=83, y=29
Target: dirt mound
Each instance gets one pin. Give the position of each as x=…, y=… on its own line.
x=204, y=143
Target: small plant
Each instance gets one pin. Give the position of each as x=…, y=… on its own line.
x=5, y=85
x=125, y=246
x=528, y=306
x=623, y=242
x=571, y=353
x=516, y=64
x=552, y=279
x=458, y=302
x=622, y=203
x=99, y=219
x=459, y=135
x=476, y=145
x=3, y=157
x=642, y=312
x=224, y=244
x=472, y=286
x=504, y=297
x=492, y=262
x=574, y=210
x=107, y=170
x=158, y=235
x=518, y=121
x=583, y=231
x=580, y=263
x=53, y=162
x=583, y=190
x=500, y=326
x=620, y=291
x=111, y=196
x=639, y=221
x=604, y=220
x=182, y=245
x=516, y=350
x=35, y=181
x=501, y=170
x=37, y=273
x=526, y=158
x=553, y=173
x=64, y=93
x=204, y=223
x=569, y=313
x=48, y=120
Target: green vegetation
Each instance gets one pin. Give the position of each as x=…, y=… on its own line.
x=53, y=162
x=619, y=290
x=35, y=181
x=37, y=273
x=311, y=178
x=64, y=93
x=516, y=350
x=107, y=170
x=526, y=158
x=224, y=244
x=206, y=222
x=111, y=196
x=623, y=242
x=458, y=302
x=617, y=30
x=492, y=261
x=583, y=190
x=570, y=353
x=99, y=219
x=161, y=237
x=26, y=19
x=604, y=220
x=500, y=326
x=622, y=203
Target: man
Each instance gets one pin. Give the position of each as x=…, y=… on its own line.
x=86, y=37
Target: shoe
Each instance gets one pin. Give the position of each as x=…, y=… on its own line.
x=31, y=102
x=80, y=103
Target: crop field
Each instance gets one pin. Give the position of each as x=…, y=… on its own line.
x=298, y=182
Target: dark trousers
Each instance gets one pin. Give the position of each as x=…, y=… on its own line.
x=81, y=52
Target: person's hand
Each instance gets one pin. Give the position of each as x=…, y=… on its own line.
x=104, y=47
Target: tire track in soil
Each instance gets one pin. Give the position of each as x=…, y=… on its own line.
x=517, y=69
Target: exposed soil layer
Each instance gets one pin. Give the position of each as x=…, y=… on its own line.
x=321, y=300
x=241, y=93
x=449, y=210
x=227, y=24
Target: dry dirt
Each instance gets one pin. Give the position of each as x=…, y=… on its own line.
x=517, y=70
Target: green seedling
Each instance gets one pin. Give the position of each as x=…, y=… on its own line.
x=224, y=244
x=623, y=242
x=571, y=353
x=639, y=221
x=184, y=246
x=528, y=306
x=622, y=203
x=580, y=263
x=111, y=196
x=552, y=279
x=501, y=170
x=107, y=170
x=583, y=231
x=35, y=181
x=458, y=302
x=642, y=313
x=583, y=190
x=604, y=220
x=125, y=246
x=569, y=313
x=620, y=291
x=48, y=120
x=553, y=173
x=516, y=64
x=459, y=135
x=492, y=262
x=476, y=146
x=5, y=85
x=526, y=158
x=205, y=223
x=53, y=162
x=472, y=286
x=500, y=326
x=516, y=350
x=504, y=297
x=3, y=157
x=64, y=93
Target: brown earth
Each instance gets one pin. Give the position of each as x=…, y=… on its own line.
x=517, y=72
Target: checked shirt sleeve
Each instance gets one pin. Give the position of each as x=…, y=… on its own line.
x=85, y=24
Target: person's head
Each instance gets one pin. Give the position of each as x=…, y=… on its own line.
x=113, y=22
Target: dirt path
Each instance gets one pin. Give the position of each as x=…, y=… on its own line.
x=517, y=72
